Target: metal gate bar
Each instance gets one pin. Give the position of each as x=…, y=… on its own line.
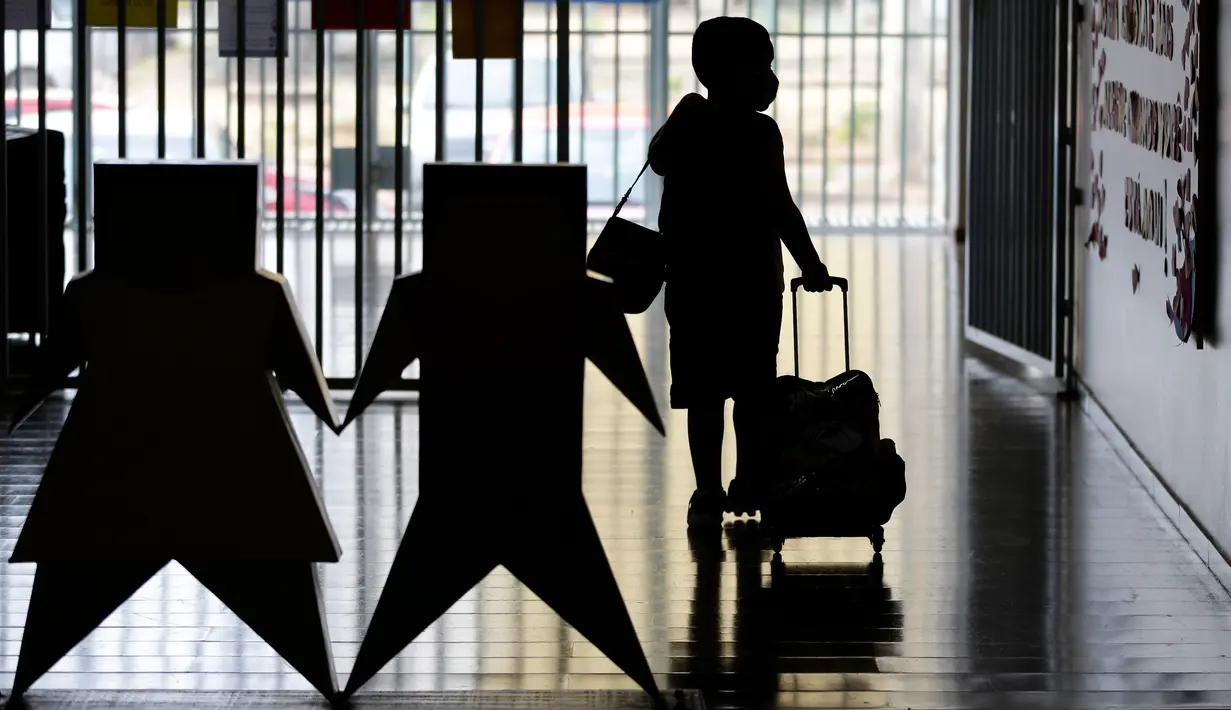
x=1014, y=124
x=4, y=221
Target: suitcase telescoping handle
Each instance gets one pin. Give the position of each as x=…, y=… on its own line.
x=840, y=284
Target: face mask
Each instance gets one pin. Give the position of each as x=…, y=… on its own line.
x=770, y=90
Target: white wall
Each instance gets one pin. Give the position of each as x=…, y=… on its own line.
x=1172, y=400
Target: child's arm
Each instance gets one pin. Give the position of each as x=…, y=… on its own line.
x=792, y=228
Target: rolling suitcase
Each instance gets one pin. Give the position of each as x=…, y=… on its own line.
x=858, y=491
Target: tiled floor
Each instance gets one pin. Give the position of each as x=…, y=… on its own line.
x=1026, y=569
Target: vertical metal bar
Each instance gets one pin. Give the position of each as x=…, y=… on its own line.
x=1069, y=244
x=1021, y=190
x=993, y=162
x=777, y=37
x=1055, y=191
x=972, y=48
x=563, y=27
x=1052, y=320
x=372, y=166
x=297, y=92
x=1067, y=247
x=880, y=83
x=360, y=165
x=1008, y=184
x=399, y=80
x=199, y=73
x=81, y=134
x=984, y=94
x=228, y=70
x=121, y=21
x=318, y=8
x=19, y=83
x=1039, y=144
x=332, y=122
x=410, y=177
x=332, y=93
x=1016, y=62
x=850, y=196
x=41, y=174
x=799, y=112
x=1017, y=58
x=261, y=138
x=161, y=14
x=1050, y=142
x=616, y=183
x=241, y=30
x=696, y=22
x=547, y=70
x=1020, y=300
x=480, y=37
x=957, y=128
x=519, y=85
x=442, y=57
x=932, y=118
x=581, y=110
x=825, y=115
x=5, y=371
x=905, y=134
x=280, y=135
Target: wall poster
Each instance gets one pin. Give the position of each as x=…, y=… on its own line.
x=1144, y=150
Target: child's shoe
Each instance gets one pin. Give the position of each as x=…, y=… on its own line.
x=743, y=497
x=705, y=508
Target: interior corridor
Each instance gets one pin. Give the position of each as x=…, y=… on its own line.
x=1027, y=568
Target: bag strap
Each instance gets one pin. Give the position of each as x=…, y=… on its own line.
x=630, y=190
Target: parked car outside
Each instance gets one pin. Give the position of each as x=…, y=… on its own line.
x=299, y=196
x=27, y=103
x=22, y=67
x=539, y=89
x=610, y=139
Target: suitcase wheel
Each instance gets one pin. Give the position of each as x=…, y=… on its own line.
x=777, y=567
x=878, y=539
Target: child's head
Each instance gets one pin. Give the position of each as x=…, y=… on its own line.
x=733, y=58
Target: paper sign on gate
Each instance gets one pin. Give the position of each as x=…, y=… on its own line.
x=499, y=28
x=137, y=13
x=23, y=14
x=260, y=28
x=377, y=14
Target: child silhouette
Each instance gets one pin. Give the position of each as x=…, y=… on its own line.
x=726, y=210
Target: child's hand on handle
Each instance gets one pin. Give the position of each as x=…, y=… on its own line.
x=817, y=279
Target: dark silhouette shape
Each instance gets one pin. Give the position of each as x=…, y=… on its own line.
x=28, y=291
x=726, y=210
x=501, y=314
x=832, y=473
x=178, y=444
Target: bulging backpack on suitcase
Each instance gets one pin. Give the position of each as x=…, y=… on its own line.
x=833, y=474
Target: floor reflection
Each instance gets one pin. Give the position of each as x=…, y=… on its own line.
x=1026, y=568
x=801, y=621
x=1010, y=523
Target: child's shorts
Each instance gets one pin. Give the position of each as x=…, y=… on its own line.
x=721, y=348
